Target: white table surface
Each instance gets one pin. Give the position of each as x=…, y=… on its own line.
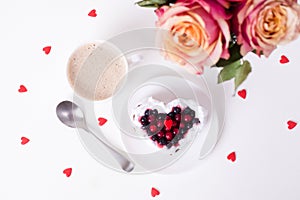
x=268, y=154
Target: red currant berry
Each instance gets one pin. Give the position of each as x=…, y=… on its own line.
x=153, y=128
x=178, y=117
x=160, y=124
x=169, y=136
x=175, y=124
x=187, y=118
x=160, y=134
x=182, y=125
x=175, y=131
x=151, y=118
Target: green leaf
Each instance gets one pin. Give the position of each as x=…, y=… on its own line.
x=242, y=73
x=229, y=71
x=237, y=70
x=152, y=3
x=146, y=4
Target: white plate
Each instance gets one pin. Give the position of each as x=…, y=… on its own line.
x=151, y=66
x=164, y=88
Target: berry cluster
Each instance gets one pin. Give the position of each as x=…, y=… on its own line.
x=166, y=129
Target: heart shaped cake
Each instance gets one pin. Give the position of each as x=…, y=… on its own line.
x=169, y=125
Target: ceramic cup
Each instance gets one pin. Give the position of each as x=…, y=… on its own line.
x=95, y=69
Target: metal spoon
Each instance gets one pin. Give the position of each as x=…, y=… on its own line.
x=71, y=115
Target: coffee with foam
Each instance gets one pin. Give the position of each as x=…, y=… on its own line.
x=95, y=69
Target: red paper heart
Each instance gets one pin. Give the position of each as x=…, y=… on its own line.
x=47, y=49
x=102, y=121
x=92, y=13
x=154, y=192
x=284, y=59
x=291, y=124
x=231, y=156
x=68, y=172
x=242, y=93
x=24, y=140
x=22, y=89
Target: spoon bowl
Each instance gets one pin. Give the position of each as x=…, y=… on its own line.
x=72, y=116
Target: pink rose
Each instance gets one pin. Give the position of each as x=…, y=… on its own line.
x=194, y=31
x=262, y=25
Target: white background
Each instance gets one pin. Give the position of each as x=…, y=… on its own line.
x=268, y=154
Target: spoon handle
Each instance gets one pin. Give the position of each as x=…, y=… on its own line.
x=125, y=163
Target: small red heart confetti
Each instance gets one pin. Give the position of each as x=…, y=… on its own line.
x=102, y=121
x=291, y=124
x=284, y=59
x=47, y=49
x=22, y=89
x=92, y=13
x=154, y=192
x=24, y=140
x=68, y=172
x=231, y=156
x=242, y=93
